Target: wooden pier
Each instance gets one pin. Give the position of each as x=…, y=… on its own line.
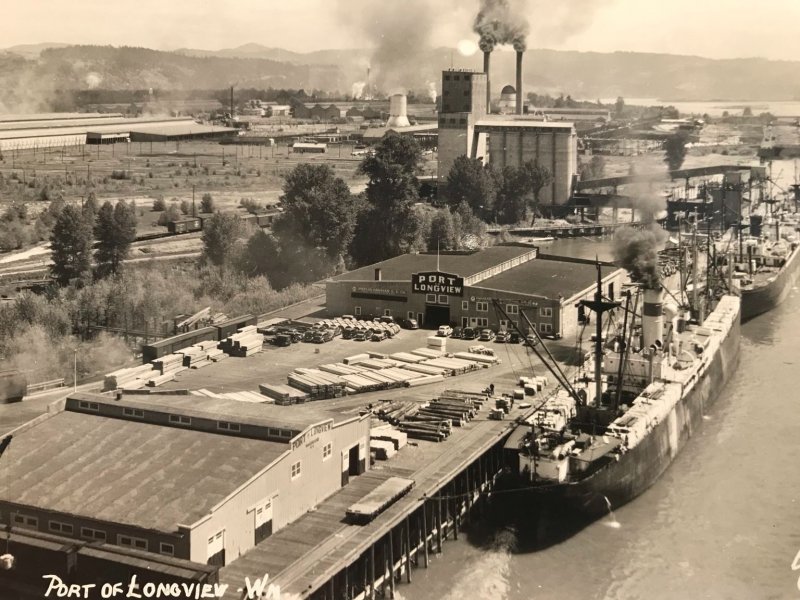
x=322, y=556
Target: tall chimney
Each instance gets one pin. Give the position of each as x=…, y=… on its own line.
x=519, y=82
x=653, y=317
x=486, y=60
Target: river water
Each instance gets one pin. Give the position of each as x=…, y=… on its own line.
x=722, y=523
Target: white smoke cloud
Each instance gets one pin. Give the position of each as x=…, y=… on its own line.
x=93, y=80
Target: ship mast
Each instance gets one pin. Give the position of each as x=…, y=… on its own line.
x=598, y=306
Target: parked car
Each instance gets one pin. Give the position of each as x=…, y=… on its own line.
x=444, y=331
x=531, y=339
x=487, y=335
x=457, y=333
x=348, y=332
x=348, y=318
x=283, y=339
x=514, y=337
x=409, y=324
x=501, y=337
x=387, y=319
x=360, y=336
x=468, y=333
x=378, y=336
x=308, y=336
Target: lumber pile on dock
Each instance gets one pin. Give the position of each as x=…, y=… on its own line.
x=319, y=385
x=246, y=342
x=129, y=379
x=283, y=394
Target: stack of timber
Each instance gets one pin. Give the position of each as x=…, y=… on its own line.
x=127, y=379
x=406, y=357
x=245, y=342
x=454, y=366
x=382, y=449
x=283, y=394
x=409, y=419
x=395, y=411
x=198, y=356
x=318, y=384
x=168, y=366
x=481, y=358
x=387, y=433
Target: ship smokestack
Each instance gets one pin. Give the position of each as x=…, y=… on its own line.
x=519, y=82
x=487, y=54
x=653, y=318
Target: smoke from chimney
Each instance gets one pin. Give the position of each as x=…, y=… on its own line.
x=498, y=23
x=637, y=252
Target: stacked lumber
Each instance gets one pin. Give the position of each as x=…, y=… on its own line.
x=340, y=369
x=453, y=366
x=160, y=379
x=481, y=358
x=394, y=411
x=130, y=379
x=428, y=353
x=194, y=357
x=355, y=359
x=382, y=449
x=425, y=369
x=387, y=433
x=169, y=364
x=283, y=394
x=420, y=427
x=406, y=357
x=319, y=385
x=245, y=342
x=425, y=379
x=360, y=383
x=437, y=343
x=476, y=398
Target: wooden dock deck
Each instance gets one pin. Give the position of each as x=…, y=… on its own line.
x=307, y=554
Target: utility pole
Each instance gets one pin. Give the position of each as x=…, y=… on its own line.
x=194, y=206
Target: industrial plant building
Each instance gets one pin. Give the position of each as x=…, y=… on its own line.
x=459, y=288
x=466, y=128
x=35, y=132
x=199, y=479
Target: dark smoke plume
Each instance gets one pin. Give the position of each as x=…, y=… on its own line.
x=637, y=252
x=498, y=23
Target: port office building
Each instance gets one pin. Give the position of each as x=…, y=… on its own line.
x=458, y=288
x=201, y=479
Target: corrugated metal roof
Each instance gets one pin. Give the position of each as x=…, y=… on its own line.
x=523, y=123
x=129, y=472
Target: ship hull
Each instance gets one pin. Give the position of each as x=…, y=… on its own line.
x=765, y=297
x=621, y=481
x=639, y=468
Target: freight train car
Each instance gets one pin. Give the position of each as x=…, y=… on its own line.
x=185, y=225
x=13, y=386
x=229, y=327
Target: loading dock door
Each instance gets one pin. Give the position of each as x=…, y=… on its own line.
x=216, y=549
x=352, y=463
x=436, y=315
x=263, y=524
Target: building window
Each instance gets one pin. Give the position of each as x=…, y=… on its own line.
x=327, y=449
x=225, y=426
x=456, y=77
x=93, y=534
x=482, y=306
x=60, y=527
x=430, y=298
x=131, y=542
x=545, y=328
x=410, y=314
x=167, y=549
x=274, y=432
x=89, y=405
x=25, y=521
x=503, y=324
x=483, y=322
x=447, y=77
x=387, y=312
x=180, y=420
x=133, y=412
x=443, y=299
x=357, y=311
x=296, y=470
x=512, y=309
x=611, y=290
x=546, y=311
x=465, y=305
x=285, y=433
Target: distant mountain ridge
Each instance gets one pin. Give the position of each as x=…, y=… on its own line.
x=30, y=72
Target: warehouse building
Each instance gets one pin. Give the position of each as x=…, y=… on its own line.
x=459, y=288
x=201, y=479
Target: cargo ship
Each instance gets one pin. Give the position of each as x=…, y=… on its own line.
x=768, y=262
x=597, y=442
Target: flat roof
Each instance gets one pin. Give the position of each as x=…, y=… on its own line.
x=183, y=128
x=400, y=268
x=129, y=472
x=296, y=417
x=547, y=277
x=522, y=123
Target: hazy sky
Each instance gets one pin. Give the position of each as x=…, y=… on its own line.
x=713, y=28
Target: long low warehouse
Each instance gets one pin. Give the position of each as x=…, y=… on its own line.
x=458, y=289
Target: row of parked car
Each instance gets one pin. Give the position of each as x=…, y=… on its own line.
x=483, y=335
x=375, y=330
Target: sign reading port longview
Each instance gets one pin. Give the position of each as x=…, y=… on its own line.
x=435, y=282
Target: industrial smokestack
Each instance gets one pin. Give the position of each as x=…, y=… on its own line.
x=519, y=82
x=397, y=111
x=486, y=60
x=653, y=317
